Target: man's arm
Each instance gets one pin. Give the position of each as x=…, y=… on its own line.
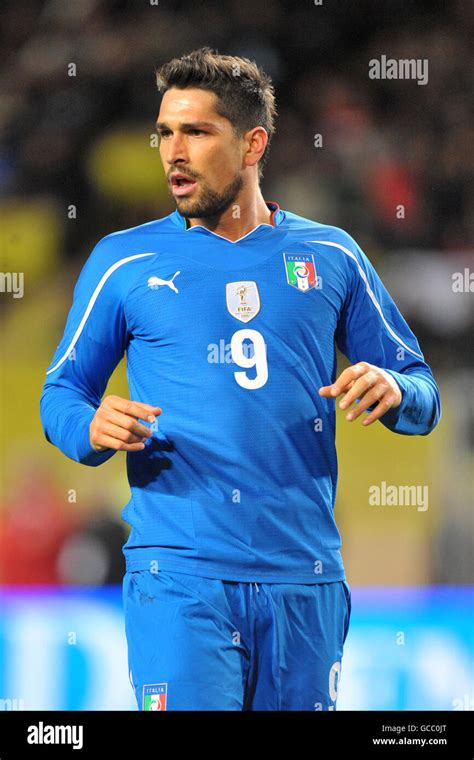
x=372, y=331
x=93, y=343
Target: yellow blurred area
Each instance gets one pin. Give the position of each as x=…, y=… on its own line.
x=383, y=543
x=31, y=329
x=124, y=165
x=31, y=235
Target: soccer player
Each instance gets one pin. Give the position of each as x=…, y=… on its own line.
x=229, y=310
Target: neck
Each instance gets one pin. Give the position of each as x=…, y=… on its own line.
x=239, y=219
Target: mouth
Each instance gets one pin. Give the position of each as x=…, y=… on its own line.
x=181, y=184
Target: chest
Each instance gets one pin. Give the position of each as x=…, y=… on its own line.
x=288, y=297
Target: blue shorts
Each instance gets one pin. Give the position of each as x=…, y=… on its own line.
x=203, y=644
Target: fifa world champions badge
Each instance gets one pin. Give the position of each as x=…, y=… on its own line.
x=243, y=299
x=154, y=696
x=300, y=271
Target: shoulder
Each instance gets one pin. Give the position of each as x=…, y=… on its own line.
x=123, y=250
x=332, y=240
x=117, y=258
x=318, y=231
x=135, y=239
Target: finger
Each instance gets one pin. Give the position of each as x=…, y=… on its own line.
x=326, y=390
x=137, y=409
x=359, y=388
x=371, y=397
x=115, y=431
x=382, y=407
x=347, y=378
x=126, y=422
x=107, y=442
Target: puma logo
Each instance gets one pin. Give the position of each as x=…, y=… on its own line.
x=155, y=282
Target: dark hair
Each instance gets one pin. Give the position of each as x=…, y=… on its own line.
x=246, y=96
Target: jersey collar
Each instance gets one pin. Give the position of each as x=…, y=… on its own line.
x=276, y=218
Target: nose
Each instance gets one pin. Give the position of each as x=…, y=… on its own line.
x=176, y=149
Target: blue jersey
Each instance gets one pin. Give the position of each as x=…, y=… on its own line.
x=232, y=339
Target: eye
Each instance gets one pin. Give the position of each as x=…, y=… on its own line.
x=164, y=132
x=196, y=132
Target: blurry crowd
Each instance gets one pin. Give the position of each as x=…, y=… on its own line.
x=72, y=71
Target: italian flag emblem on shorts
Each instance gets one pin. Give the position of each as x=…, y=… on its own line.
x=300, y=271
x=154, y=696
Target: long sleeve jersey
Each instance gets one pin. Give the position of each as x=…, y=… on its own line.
x=232, y=339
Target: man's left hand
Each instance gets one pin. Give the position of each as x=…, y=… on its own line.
x=370, y=384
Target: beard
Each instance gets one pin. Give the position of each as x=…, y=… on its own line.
x=211, y=204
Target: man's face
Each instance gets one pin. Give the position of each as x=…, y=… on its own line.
x=195, y=141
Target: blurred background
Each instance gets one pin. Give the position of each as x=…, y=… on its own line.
x=388, y=160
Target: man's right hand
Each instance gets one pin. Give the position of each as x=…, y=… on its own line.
x=115, y=424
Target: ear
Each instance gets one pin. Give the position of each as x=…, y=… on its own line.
x=256, y=140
